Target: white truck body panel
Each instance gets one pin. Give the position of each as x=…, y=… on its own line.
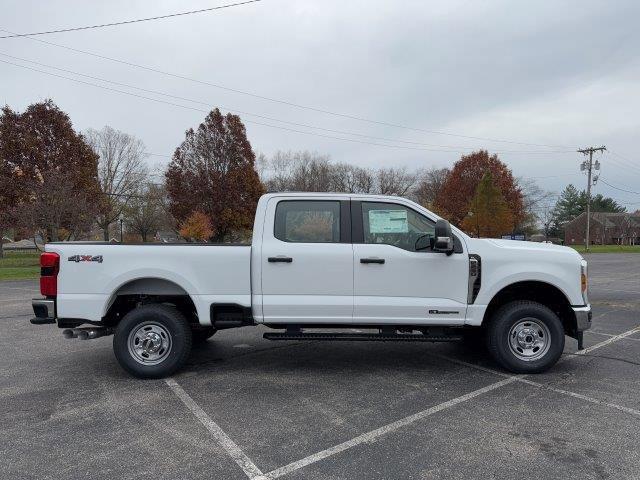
x=325, y=282
x=316, y=287
x=208, y=273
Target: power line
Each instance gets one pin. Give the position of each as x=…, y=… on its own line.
x=234, y=110
x=206, y=111
x=617, y=188
x=251, y=121
x=128, y=22
x=622, y=162
x=283, y=102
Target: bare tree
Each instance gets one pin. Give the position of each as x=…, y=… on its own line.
x=351, y=179
x=429, y=184
x=144, y=212
x=298, y=171
x=57, y=210
x=395, y=181
x=533, y=197
x=121, y=169
x=312, y=172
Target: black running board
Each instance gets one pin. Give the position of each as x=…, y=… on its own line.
x=363, y=337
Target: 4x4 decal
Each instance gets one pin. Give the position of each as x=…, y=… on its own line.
x=85, y=258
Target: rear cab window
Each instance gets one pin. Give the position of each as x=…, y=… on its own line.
x=307, y=221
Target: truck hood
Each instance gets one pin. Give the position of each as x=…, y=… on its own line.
x=523, y=246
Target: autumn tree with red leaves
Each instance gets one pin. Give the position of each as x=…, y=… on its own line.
x=453, y=199
x=38, y=149
x=213, y=172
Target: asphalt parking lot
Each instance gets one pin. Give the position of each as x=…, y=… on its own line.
x=248, y=408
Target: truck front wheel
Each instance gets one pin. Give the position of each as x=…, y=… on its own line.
x=152, y=341
x=525, y=337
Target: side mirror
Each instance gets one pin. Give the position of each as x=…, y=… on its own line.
x=444, y=238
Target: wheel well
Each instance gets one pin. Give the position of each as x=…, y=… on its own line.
x=535, y=291
x=143, y=291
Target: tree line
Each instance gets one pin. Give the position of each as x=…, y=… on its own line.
x=61, y=184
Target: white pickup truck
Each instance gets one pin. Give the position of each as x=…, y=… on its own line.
x=334, y=262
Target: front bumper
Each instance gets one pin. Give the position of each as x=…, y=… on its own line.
x=583, y=317
x=44, y=310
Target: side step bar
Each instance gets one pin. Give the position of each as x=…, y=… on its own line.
x=364, y=337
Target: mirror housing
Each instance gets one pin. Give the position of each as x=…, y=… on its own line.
x=444, y=238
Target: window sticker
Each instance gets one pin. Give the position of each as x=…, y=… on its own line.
x=388, y=221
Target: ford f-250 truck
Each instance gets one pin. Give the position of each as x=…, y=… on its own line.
x=335, y=262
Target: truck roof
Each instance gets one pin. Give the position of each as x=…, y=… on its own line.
x=332, y=194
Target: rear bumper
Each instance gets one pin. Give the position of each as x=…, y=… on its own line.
x=583, y=317
x=44, y=310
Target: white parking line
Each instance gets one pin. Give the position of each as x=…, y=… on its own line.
x=222, y=438
x=254, y=473
x=610, y=340
x=378, y=432
x=612, y=335
x=523, y=379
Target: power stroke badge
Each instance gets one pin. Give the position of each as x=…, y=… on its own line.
x=86, y=258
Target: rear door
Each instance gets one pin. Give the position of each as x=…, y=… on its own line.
x=395, y=283
x=307, y=261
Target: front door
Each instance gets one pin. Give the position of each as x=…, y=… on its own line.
x=395, y=283
x=307, y=262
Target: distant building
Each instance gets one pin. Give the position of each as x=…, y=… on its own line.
x=605, y=229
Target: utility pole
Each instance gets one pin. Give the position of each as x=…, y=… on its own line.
x=588, y=166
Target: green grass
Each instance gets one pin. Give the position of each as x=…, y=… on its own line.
x=609, y=248
x=19, y=265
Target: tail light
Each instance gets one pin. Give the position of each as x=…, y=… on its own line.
x=49, y=268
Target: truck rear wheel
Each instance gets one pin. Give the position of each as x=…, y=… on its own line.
x=525, y=337
x=152, y=341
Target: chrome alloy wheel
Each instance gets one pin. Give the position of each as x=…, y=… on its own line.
x=529, y=339
x=149, y=343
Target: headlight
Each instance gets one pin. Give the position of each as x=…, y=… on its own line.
x=584, y=282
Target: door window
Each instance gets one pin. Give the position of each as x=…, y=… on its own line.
x=308, y=221
x=393, y=224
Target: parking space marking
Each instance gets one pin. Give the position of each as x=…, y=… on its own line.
x=373, y=435
x=608, y=341
x=244, y=462
x=254, y=473
x=612, y=335
x=523, y=379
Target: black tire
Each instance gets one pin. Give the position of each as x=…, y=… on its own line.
x=531, y=322
x=154, y=322
x=201, y=335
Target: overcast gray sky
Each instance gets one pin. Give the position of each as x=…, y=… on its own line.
x=561, y=73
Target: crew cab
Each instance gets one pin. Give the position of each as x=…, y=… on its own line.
x=357, y=267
